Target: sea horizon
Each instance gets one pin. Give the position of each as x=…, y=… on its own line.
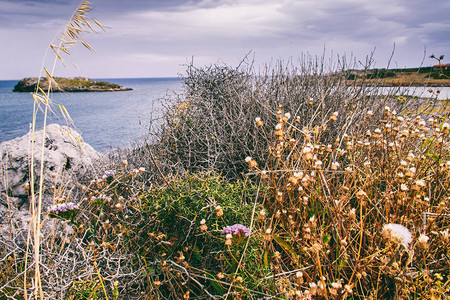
x=106, y=120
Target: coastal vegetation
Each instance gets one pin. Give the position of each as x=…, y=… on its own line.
x=289, y=183
x=407, y=77
x=68, y=85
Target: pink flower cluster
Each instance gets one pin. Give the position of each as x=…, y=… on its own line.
x=236, y=230
x=64, y=207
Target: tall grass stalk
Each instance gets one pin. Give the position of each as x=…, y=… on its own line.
x=77, y=25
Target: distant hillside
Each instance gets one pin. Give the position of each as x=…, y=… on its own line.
x=70, y=85
x=426, y=76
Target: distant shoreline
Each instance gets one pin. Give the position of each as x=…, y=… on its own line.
x=405, y=85
x=67, y=85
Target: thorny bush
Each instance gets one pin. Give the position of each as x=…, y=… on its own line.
x=211, y=126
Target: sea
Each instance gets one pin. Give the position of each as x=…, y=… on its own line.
x=106, y=120
x=111, y=120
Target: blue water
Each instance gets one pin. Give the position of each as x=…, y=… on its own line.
x=105, y=120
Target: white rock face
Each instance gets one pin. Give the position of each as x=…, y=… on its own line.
x=65, y=156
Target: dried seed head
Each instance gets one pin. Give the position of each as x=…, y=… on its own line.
x=419, y=184
x=352, y=213
x=361, y=194
x=423, y=240
x=335, y=166
x=268, y=234
x=219, y=211
x=228, y=238
x=239, y=280
x=258, y=122
x=312, y=288
x=156, y=283
x=348, y=288
x=252, y=164
x=279, y=196
x=203, y=226
x=262, y=215
x=318, y=164
x=334, y=116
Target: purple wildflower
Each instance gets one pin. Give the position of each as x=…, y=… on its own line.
x=100, y=199
x=64, y=210
x=63, y=207
x=236, y=230
x=109, y=176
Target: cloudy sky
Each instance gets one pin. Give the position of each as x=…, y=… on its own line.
x=157, y=38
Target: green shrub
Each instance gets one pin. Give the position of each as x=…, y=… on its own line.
x=172, y=233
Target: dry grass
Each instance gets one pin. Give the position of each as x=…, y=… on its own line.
x=330, y=203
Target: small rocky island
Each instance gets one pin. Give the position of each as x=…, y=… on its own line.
x=68, y=85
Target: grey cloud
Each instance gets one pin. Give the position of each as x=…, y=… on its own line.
x=116, y=6
x=162, y=32
x=32, y=2
x=368, y=21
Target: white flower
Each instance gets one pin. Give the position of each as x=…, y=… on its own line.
x=397, y=233
x=248, y=159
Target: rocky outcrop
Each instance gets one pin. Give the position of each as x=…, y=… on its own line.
x=69, y=85
x=66, y=157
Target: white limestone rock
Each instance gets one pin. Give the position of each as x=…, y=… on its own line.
x=66, y=157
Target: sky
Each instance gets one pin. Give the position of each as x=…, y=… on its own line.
x=159, y=38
